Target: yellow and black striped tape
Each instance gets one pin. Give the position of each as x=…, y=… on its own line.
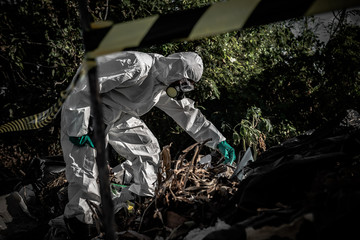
x=221, y=17
x=35, y=121
x=106, y=37
x=42, y=119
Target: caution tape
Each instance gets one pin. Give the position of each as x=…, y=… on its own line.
x=35, y=121
x=106, y=37
x=207, y=21
x=42, y=119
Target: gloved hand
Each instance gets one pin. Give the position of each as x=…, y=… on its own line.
x=227, y=151
x=81, y=141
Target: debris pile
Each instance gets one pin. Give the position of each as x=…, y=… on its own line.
x=191, y=181
x=305, y=188
x=190, y=191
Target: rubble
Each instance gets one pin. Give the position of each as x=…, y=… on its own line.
x=305, y=188
x=309, y=184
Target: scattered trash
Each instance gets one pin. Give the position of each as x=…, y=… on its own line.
x=205, y=161
x=199, y=234
x=15, y=217
x=12, y=206
x=57, y=230
x=245, y=160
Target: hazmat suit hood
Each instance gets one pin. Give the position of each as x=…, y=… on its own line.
x=178, y=66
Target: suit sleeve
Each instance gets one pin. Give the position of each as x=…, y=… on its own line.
x=190, y=119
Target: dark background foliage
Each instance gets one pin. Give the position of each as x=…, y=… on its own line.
x=255, y=77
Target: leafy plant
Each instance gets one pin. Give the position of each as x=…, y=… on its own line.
x=252, y=130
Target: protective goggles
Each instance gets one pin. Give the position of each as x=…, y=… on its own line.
x=186, y=85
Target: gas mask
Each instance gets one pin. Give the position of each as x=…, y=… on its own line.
x=178, y=89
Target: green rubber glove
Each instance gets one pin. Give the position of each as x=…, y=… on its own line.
x=227, y=151
x=81, y=141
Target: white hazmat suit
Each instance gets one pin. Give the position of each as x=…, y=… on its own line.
x=131, y=84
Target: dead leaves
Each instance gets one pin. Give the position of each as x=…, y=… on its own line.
x=185, y=189
x=185, y=180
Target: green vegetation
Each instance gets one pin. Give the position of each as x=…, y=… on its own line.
x=261, y=85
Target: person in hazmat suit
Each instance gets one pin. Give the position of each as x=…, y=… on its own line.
x=130, y=84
